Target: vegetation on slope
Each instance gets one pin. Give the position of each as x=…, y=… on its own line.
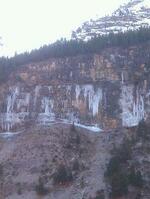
x=63, y=48
x=122, y=171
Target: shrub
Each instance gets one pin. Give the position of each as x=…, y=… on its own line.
x=119, y=177
x=1, y=170
x=19, y=188
x=116, y=177
x=100, y=195
x=135, y=178
x=74, y=137
x=142, y=130
x=116, y=173
x=78, y=139
x=18, y=78
x=112, y=167
x=73, y=128
x=119, y=184
x=40, y=188
x=139, y=180
x=123, y=153
x=75, y=165
x=62, y=175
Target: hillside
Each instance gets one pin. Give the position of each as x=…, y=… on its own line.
x=130, y=16
x=37, y=153
x=66, y=162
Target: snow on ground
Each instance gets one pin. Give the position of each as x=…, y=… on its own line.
x=9, y=134
x=90, y=128
x=135, y=12
x=94, y=128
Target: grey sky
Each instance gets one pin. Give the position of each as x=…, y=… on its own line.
x=28, y=24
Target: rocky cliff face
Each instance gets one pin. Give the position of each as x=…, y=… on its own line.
x=130, y=16
x=107, y=90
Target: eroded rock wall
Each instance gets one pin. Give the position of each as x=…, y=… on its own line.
x=107, y=89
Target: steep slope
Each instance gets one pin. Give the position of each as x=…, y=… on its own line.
x=38, y=152
x=35, y=155
x=130, y=16
x=107, y=90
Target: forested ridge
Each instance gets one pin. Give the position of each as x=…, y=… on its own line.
x=65, y=48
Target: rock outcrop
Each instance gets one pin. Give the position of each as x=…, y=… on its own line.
x=108, y=90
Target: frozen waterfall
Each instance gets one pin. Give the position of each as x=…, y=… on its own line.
x=10, y=118
x=93, y=97
x=47, y=116
x=132, y=106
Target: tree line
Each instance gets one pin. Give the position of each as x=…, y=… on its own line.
x=65, y=48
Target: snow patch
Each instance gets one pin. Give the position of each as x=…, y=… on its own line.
x=90, y=128
x=9, y=134
x=93, y=128
x=129, y=16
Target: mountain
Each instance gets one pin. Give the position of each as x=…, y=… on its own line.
x=75, y=118
x=130, y=16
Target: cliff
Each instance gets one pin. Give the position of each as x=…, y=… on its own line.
x=105, y=90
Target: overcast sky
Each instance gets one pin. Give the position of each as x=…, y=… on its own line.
x=29, y=24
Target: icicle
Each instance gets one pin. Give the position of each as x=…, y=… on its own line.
x=93, y=97
x=132, y=109
x=77, y=91
x=10, y=116
x=122, y=78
